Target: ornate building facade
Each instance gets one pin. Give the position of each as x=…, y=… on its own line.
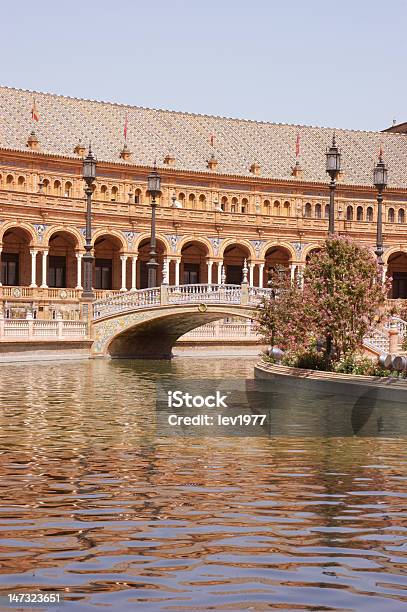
x=231, y=190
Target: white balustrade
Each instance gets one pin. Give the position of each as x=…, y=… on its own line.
x=400, y=324
x=27, y=329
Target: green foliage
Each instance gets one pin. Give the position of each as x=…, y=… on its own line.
x=309, y=360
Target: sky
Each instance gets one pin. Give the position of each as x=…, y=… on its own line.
x=335, y=64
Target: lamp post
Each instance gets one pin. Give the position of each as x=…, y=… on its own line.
x=333, y=167
x=380, y=182
x=153, y=188
x=89, y=176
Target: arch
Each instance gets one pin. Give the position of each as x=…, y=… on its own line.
x=10, y=181
x=152, y=334
x=349, y=213
x=108, y=247
x=245, y=205
x=359, y=213
x=57, y=187
x=369, y=214
x=68, y=189
x=181, y=198
x=276, y=208
x=267, y=207
x=239, y=241
x=191, y=201
x=138, y=196
x=144, y=256
x=160, y=237
x=391, y=251
x=234, y=205
x=114, y=193
x=115, y=234
x=275, y=257
x=307, y=250
x=326, y=214
x=318, y=211
x=287, y=208
x=194, y=255
x=46, y=185
x=199, y=239
x=16, y=258
x=390, y=215
x=104, y=192
x=224, y=203
x=21, y=183
x=308, y=210
x=401, y=215
x=68, y=230
x=22, y=225
x=284, y=245
x=202, y=201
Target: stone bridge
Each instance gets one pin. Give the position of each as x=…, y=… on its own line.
x=145, y=323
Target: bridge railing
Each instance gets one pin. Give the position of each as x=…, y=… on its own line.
x=178, y=294
x=204, y=293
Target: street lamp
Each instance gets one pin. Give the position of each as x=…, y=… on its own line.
x=333, y=167
x=89, y=176
x=380, y=182
x=153, y=188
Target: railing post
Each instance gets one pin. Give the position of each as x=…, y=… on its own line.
x=244, y=294
x=164, y=295
x=1, y=324
x=29, y=318
x=60, y=326
x=393, y=337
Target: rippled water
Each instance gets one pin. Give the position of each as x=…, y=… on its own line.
x=94, y=505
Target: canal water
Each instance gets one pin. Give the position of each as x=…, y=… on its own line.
x=99, y=508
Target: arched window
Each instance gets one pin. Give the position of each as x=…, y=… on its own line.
x=10, y=181
x=390, y=215
x=308, y=210
x=276, y=208
x=369, y=214
x=318, y=211
x=266, y=207
x=114, y=194
x=21, y=183
x=202, y=202
x=181, y=198
x=359, y=213
x=349, y=213
x=287, y=209
x=68, y=189
x=57, y=187
x=103, y=192
x=245, y=205
x=234, y=205
x=137, y=196
x=326, y=211
x=191, y=200
x=45, y=185
x=224, y=203
x=400, y=215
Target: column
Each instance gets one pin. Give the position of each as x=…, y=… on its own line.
x=209, y=264
x=261, y=272
x=1, y=249
x=177, y=267
x=33, y=254
x=292, y=272
x=220, y=264
x=134, y=273
x=79, y=270
x=385, y=274
x=251, y=275
x=166, y=270
x=123, y=260
x=44, y=270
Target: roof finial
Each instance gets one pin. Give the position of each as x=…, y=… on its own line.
x=334, y=139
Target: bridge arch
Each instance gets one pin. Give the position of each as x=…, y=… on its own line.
x=152, y=332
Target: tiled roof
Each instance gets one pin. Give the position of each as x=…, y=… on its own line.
x=155, y=133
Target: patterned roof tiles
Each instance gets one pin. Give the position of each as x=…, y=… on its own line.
x=155, y=133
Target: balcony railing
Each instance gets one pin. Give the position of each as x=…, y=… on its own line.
x=31, y=329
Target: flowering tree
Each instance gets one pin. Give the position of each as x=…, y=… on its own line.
x=343, y=295
x=281, y=318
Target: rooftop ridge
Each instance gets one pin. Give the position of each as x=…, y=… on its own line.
x=192, y=114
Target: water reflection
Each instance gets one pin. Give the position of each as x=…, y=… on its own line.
x=96, y=506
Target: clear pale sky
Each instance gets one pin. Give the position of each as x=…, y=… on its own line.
x=339, y=64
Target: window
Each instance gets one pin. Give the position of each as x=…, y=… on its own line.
x=191, y=274
x=287, y=209
x=276, y=208
x=103, y=274
x=57, y=187
x=318, y=211
x=114, y=194
x=202, y=202
x=243, y=208
x=359, y=213
x=224, y=203
x=68, y=189
x=400, y=216
x=266, y=206
x=390, y=215
x=57, y=271
x=45, y=185
x=10, y=269
x=369, y=214
x=103, y=192
x=191, y=201
x=349, y=213
x=21, y=183
x=10, y=181
x=137, y=196
x=308, y=210
x=326, y=211
x=245, y=205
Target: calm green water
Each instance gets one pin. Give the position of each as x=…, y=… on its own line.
x=97, y=507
